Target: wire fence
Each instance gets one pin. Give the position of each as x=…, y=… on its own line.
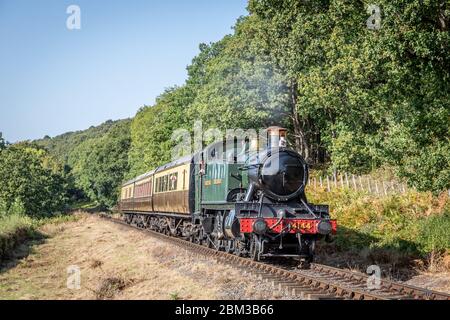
x=358, y=183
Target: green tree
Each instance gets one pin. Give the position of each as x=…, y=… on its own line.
x=366, y=97
x=2, y=142
x=99, y=165
x=29, y=176
x=152, y=129
x=355, y=98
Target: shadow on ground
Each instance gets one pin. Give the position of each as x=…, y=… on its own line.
x=23, y=249
x=357, y=251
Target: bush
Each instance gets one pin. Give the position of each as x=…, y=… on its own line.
x=31, y=181
x=14, y=229
x=434, y=235
x=415, y=223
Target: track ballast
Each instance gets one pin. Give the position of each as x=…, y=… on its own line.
x=318, y=282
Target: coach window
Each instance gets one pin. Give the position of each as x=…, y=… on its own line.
x=175, y=181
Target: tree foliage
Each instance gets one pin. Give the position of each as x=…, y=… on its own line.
x=2, y=142
x=99, y=164
x=62, y=146
x=354, y=97
x=95, y=160
x=32, y=180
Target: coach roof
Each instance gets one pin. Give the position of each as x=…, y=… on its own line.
x=183, y=160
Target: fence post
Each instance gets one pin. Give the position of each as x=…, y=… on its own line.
x=335, y=180
x=376, y=187
x=321, y=182
x=346, y=180
x=328, y=184
x=354, y=182
x=368, y=184
x=384, y=187
x=342, y=181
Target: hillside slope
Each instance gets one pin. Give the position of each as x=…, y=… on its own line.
x=62, y=145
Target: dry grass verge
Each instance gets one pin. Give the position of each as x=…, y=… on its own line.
x=14, y=229
x=119, y=263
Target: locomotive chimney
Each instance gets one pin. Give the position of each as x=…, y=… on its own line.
x=276, y=138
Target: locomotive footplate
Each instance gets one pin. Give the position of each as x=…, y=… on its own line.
x=285, y=218
x=291, y=225
x=273, y=210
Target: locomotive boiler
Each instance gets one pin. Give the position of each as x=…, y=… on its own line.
x=246, y=197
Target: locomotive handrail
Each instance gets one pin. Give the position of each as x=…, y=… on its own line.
x=308, y=208
x=245, y=168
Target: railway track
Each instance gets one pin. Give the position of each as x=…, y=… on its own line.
x=317, y=283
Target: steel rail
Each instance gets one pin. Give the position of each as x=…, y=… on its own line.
x=319, y=282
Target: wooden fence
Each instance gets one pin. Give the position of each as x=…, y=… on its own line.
x=358, y=183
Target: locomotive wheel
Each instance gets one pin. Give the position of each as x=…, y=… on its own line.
x=199, y=237
x=209, y=242
x=240, y=248
x=229, y=246
x=255, y=247
x=311, y=251
x=219, y=244
x=198, y=240
x=307, y=253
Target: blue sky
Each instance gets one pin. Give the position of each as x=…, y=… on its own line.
x=54, y=80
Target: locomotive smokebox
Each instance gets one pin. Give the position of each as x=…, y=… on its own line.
x=280, y=173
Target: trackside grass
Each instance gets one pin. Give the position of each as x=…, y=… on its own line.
x=414, y=224
x=16, y=228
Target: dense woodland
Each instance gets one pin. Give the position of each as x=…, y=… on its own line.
x=354, y=98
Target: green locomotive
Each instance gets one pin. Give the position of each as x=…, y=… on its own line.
x=246, y=197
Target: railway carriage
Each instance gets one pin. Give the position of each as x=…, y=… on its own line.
x=246, y=198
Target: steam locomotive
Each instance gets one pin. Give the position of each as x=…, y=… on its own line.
x=244, y=196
